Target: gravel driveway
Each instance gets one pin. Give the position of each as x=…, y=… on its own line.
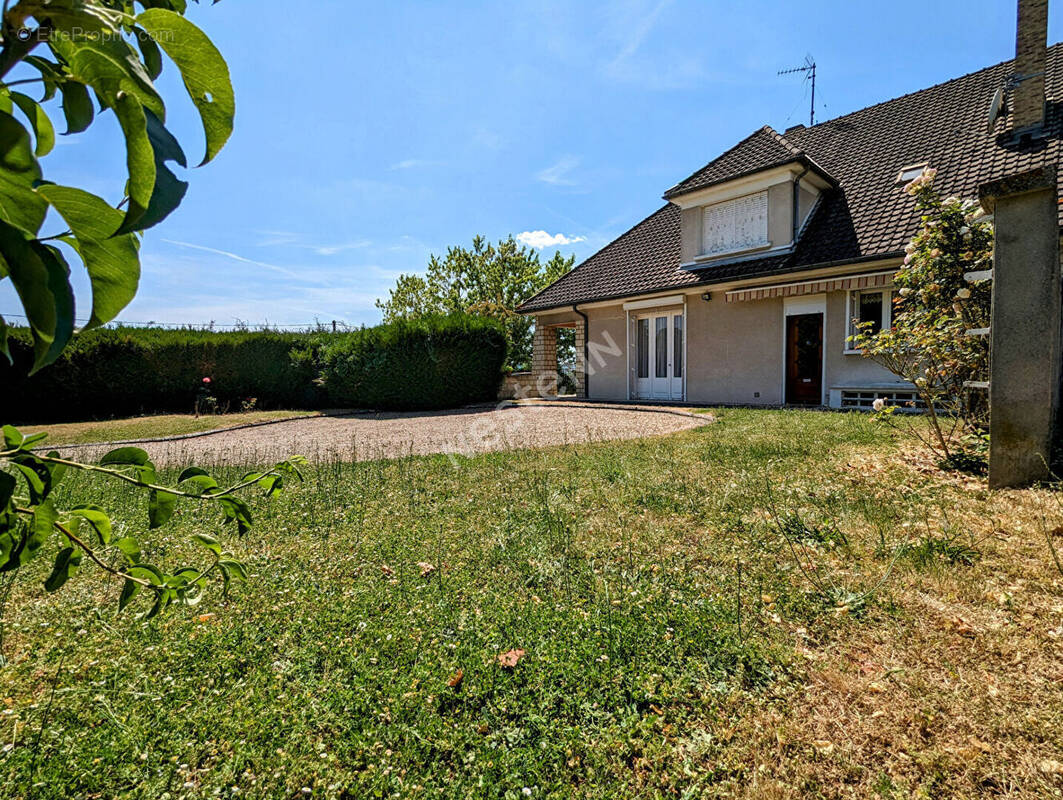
x=389, y=435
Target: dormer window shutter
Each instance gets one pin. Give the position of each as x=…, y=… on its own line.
x=735, y=225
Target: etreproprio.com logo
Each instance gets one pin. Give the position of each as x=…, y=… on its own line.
x=76, y=34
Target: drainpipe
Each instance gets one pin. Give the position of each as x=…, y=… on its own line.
x=796, y=209
x=586, y=351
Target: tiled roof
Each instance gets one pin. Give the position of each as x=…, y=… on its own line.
x=866, y=217
x=761, y=150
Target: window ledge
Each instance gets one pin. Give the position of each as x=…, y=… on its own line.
x=851, y=352
x=703, y=257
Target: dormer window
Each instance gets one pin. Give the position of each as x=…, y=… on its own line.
x=735, y=225
x=909, y=174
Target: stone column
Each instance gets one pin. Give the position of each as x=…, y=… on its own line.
x=581, y=367
x=1025, y=353
x=544, y=361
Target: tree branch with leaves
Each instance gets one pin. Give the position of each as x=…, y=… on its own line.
x=90, y=58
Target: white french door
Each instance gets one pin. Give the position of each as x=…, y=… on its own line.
x=660, y=355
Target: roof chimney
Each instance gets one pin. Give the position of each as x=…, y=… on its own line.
x=1031, y=53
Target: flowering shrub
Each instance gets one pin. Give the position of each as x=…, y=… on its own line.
x=206, y=403
x=934, y=308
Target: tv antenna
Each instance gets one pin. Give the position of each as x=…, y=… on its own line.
x=809, y=68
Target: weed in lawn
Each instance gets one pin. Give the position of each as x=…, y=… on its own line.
x=932, y=549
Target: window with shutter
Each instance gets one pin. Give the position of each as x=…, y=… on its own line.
x=735, y=225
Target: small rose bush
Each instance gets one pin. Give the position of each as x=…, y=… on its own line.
x=934, y=308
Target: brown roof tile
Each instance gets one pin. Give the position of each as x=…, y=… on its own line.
x=867, y=216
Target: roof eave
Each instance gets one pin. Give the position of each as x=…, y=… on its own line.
x=801, y=159
x=709, y=281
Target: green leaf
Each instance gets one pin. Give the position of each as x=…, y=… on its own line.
x=8, y=482
x=5, y=350
x=16, y=151
x=140, y=159
x=206, y=484
x=41, y=526
x=169, y=191
x=161, y=506
x=129, y=588
x=42, y=126
x=77, y=106
x=148, y=573
x=109, y=65
x=133, y=456
x=97, y=518
x=151, y=53
x=113, y=264
x=233, y=569
x=66, y=565
x=130, y=547
x=272, y=484
x=29, y=441
x=41, y=476
x=208, y=542
x=191, y=472
x=63, y=297
x=13, y=437
x=33, y=276
x=12, y=540
x=203, y=69
x=20, y=206
x=51, y=72
x=236, y=510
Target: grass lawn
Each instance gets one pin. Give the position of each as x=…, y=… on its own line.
x=115, y=430
x=784, y=604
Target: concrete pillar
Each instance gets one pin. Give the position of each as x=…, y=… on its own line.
x=1025, y=353
x=544, y=360
x=581, y=366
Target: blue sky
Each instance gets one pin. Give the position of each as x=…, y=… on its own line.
x=370, y=135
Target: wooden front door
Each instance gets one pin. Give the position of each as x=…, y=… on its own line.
x=804, y=359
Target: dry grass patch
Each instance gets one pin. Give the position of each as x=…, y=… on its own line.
x=953, y=685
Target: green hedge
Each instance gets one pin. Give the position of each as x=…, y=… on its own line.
x=433, y=362
x=127, y=371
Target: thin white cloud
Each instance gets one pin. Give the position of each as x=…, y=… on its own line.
x=414, y=163
x=558, y=174
x=637, y=33
x=333, y=249
x=541, y=239
x=287, y=239
x=233, y=256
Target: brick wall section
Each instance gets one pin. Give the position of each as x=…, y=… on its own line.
x=581, y=374
x=1031, y=42
x=544, y=360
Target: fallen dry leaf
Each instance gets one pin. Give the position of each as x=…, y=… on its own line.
x=510, y=658
x=388, y=571
x=963, y=628
x=204, y=617
x=823, y=747
x=426, y=568
x=1051, y=767
x=456, y=679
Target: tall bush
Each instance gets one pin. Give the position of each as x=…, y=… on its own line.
x=128, y=371
x=928, y=343
x=413, y=364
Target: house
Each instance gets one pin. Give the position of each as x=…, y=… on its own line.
x=744, y=286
